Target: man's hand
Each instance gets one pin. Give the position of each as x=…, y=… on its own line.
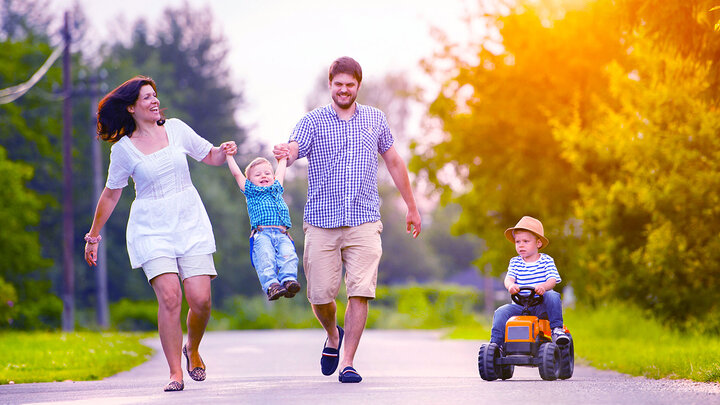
x=413, y=222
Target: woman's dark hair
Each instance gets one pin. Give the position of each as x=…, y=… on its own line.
x=113, y=119
x=347, y=65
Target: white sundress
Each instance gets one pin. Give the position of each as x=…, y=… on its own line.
x=167, y=218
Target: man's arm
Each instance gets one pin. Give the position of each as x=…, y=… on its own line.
x=399, y=174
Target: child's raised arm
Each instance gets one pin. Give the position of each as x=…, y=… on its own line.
x=280, y=171
x=236, y=172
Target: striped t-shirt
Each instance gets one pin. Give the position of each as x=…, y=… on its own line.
x=534, y=273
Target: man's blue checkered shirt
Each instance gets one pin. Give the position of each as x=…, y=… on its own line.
x=342, y=164
x=266, y=205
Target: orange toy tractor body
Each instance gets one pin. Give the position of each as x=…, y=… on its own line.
x=528, y=342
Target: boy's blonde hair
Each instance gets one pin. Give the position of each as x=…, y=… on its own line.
x=255, y=162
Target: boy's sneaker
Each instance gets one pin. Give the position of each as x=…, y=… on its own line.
x=275, y=291
x=292, y=287
x=560, y=337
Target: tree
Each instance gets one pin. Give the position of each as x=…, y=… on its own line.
x=29, y=130
x=600, y=119
x=649, y=200
x=19, y=245
x=498, y=158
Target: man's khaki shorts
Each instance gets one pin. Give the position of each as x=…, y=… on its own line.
x=326, y=250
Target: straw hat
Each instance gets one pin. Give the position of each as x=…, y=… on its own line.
x=530, y=224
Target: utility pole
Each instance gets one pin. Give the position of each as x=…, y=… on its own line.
x=101, y=307
x=68, y=316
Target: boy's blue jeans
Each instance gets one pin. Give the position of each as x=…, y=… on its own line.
x=274, y=257
x=552, y=305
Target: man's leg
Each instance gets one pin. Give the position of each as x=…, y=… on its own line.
x=327, y=315
x=355, y=319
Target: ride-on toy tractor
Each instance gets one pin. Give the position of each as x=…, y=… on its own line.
x=528, y=342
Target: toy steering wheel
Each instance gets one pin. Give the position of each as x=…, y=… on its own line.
x=529, y=300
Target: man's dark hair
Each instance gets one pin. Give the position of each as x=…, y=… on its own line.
x=347, y=65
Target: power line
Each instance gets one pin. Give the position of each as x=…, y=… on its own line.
x=11, y=94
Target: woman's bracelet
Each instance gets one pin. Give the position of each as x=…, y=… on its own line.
x=91, y=240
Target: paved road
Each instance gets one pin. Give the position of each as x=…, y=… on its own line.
x=418, y=367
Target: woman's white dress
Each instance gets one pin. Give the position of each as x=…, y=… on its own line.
x=167, y=217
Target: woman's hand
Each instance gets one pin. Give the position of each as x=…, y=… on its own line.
x=91, y=252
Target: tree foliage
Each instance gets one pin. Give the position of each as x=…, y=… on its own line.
x=599, y=118
x=30, y=160
x=651, y=188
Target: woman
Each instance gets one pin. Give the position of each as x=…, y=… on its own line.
x=168, y=232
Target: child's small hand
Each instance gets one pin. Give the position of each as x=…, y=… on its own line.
x=514, y=289
x=229, y=148
x=540, y=290
x=281, y=151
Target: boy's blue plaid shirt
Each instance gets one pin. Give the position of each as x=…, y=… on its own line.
x=342, y=164
x=266, y=205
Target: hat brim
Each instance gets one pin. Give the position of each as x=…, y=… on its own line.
x=509, y=236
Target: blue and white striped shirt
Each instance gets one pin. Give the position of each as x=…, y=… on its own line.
x=532, y=274
x=266, y=205
x=342, y=164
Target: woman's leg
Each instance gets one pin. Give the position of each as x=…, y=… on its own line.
x=169, y=295
x=198, y=296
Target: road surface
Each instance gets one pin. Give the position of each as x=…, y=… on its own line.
x=398, y=367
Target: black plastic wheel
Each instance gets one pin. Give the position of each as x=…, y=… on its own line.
x=550, y=361
x=506, y=371
x=486, y=361
x=567, y=360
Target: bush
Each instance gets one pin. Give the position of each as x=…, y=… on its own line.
x=8, y=298
x=129, y=315
x=257, y=312
x=424, y=306
x=40, y=312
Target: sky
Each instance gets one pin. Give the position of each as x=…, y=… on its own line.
x=278, y=48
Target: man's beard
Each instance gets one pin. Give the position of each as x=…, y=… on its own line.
x=344, y=106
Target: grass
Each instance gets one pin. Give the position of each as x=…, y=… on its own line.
x=56, y=356
x=621, y=338
x=625, y=339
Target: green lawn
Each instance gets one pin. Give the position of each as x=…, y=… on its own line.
x=56, y=356
x=616, y=337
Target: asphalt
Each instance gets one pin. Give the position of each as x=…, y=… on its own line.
x=419, y=367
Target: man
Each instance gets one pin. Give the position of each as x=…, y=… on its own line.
x=342, y=215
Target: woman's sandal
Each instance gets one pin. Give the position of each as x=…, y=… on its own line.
x=174, y=386
x=198, y=373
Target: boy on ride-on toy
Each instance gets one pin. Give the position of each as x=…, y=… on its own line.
x=531, y=269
